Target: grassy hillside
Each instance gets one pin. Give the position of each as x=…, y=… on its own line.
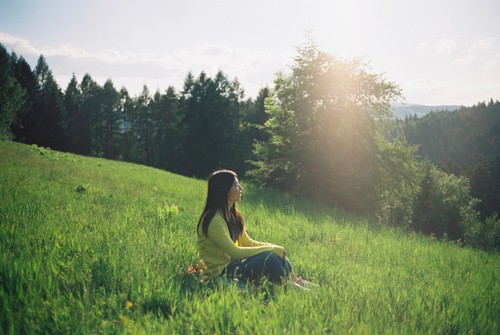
x=96, y=246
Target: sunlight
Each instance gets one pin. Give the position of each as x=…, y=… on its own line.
x=343, y=27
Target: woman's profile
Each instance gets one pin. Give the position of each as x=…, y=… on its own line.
x=224, y=247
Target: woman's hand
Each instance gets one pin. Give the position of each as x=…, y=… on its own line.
x=279, y=251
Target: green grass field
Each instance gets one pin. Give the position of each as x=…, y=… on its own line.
x=92, y=246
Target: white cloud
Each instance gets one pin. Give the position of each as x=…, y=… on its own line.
x=479, y=51
x=465, y=60
x=446, y=46
x=423, y=47
x=448, y=92
x=21, y=46
x=254, y=68
x=492, y=64
x=482, y=45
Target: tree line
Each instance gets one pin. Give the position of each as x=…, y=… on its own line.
x=464, y=142
x=324, y=131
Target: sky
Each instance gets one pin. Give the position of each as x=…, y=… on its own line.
x=444, y=52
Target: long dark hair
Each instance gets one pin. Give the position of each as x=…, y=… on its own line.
x=219, y=184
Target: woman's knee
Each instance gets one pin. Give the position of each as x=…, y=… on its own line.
x=267, y=264
x=273, y=268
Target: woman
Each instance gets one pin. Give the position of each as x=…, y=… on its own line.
x=224, y=247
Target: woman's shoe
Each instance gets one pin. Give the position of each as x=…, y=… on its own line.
x=297, y=286
x=305, y=283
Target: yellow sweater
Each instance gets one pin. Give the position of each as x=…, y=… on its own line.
x=216, y=250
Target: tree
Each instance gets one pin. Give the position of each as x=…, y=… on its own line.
x=23, y=124
x=91, y=107
x=276, y=165
x=209, y=122
x=109, y=121
x=75, y=117
x=49, y=120
x=12, y=95
x=126, y=112
x=445, y=206
x=166, y=129
x=324, y=124
x=142, y=126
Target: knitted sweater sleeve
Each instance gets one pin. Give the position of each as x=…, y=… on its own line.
x=218, y=232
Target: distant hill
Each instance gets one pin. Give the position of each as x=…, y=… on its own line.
x=402, y=110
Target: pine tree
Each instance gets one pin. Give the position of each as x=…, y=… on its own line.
x=12, y=95
x=50, y=128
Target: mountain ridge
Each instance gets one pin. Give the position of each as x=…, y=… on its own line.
x=401, y=110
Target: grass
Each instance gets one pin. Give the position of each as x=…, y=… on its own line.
x=92, y=246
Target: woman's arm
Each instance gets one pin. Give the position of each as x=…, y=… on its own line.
x=218, y=232
x=246, y=241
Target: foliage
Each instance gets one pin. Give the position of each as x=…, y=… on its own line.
x=445, y=206
x=460, y=136
x=12, y=95
x=91, y=246
x=324, y=131
x=464, y=142
x=484, y=234
x=210, y=124
x=49, y=127
x=324, y=127
x=276, y=166
x=399, y=183
x=191, y=132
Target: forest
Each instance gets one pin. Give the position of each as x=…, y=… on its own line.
x=464, y=142
x=324, y=131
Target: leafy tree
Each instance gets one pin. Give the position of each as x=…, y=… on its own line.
x=445, y=206
x=324, y=121
x=484, y=234
x=399, y=183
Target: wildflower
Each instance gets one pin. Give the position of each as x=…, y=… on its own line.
x=129, y=305
x=191, y=270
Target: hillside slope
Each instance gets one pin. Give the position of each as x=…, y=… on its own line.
x=95, y=246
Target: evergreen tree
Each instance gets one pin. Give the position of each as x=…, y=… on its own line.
x=126, y=116
x=23, y=124
x=167, y=133
x=142, y=126
x=209, y=121
x=91, y=108
x=50, y=128
x=76, y=121
x=109, y=121
x=12, y=95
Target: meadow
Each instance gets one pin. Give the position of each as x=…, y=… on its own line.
x=93, y=246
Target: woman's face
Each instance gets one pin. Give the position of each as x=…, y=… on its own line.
x=235, y=191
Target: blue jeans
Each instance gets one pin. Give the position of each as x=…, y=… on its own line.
x=265, y=264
